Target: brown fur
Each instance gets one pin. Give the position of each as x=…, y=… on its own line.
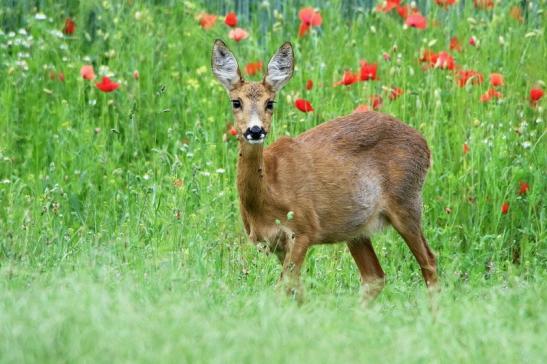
x=343, y=180
x=313, y=174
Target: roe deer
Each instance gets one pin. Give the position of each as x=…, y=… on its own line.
x=340, y=181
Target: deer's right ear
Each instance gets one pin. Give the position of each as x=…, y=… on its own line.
x=225, y=66
x=280, y=68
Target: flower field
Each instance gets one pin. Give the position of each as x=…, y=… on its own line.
x=120, y=233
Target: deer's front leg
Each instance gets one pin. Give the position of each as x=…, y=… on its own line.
x=296, y=250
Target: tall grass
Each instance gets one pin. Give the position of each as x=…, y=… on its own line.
x=120, y=236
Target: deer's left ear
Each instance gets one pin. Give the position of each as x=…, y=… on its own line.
x=280, y=68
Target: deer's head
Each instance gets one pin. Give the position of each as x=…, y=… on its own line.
x=252, y=102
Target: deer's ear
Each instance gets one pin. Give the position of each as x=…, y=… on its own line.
x=225, y=67
x=280, y=68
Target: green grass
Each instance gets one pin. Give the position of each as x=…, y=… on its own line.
x=105, y=256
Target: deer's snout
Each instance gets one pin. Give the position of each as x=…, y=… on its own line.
x=255, y=134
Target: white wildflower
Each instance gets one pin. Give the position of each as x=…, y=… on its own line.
x=437, y=93
x=105, y=71
x=57, y=33
x=23, y=64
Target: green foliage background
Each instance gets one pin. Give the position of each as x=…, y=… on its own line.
x=120, y=236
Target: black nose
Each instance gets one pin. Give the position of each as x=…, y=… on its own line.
x=255, y=132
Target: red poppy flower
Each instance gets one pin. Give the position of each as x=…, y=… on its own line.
x=496, y=79
x=70, y=26
x=516, y=13
x=535, y=95
x=207, y=21
x=445, y=3
x=387, y=6
x=376, y=102
x=403, y=11
x=369, y=71
x=416, y=20
x=505, y=207
x=484, y=4
x=303, y=29
x=349, y=78
x=464, y=76
x=395, y=93
x=54, y=76
x=309, y=85
x=455, y=44
x=253, y=68
x=87, y=72
x=107, y=85
x=445, y=61
x=523, y=188
x=362, y=108
x=303, y=105
x=466, y=148
x=473, y=41
x=238, y=34
x=429, y=57
x=491, y=94
x=309, y=18
x=233, y=131
x=231, y=19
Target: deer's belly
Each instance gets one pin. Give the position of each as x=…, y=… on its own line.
x=354, y=212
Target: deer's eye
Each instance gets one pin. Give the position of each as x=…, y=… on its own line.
x=270, y=105
x=236, y=104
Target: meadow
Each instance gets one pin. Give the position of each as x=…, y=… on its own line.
x=120, y=234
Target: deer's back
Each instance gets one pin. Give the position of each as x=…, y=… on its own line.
x=349, y=172
x=397, y=152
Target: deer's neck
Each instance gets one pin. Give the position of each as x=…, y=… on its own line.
x=251, y=176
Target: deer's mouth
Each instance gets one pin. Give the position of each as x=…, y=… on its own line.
x=255, y=141
x=255, y=135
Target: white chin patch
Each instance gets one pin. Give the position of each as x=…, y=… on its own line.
x=259, y=141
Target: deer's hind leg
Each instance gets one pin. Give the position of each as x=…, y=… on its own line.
x=372, y=275
x=407, y=221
